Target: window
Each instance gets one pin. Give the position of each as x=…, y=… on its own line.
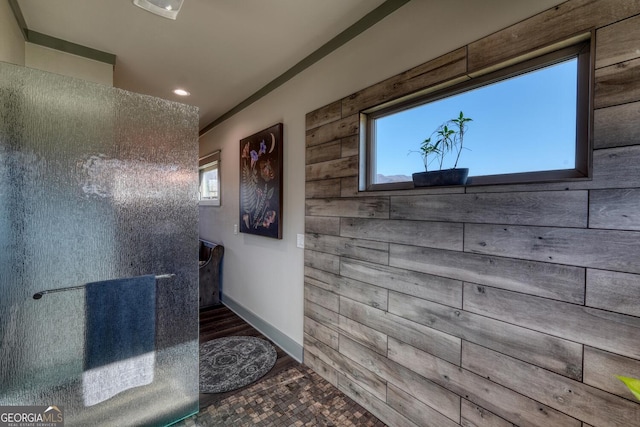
x=529, y=123
x=209, y=171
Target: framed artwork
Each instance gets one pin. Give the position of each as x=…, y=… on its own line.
x=261, y=183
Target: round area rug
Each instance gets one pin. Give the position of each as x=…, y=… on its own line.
x=233, y=362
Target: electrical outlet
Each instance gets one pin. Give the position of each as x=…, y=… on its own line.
x=235, y=228
x=300, y=241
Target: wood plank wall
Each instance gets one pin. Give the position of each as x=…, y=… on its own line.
x=484, y=306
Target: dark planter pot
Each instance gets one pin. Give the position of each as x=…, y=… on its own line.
x=443, y=177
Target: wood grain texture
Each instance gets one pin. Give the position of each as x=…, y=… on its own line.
x=335, y=130
x=427, y=339
x=325, y=371
x=560, y=282
x=418, y=412
x=615, y=209
x=322, y=225
x=426, y=286
x=579, y=400
x=350, y=187
x=376, y=406
x=321, y=315
x=323, y=152
x=617, y=84
x=369, y=337
x=322, y=261
x=443, y=235
x=473, y=415
x=512, y=406
x=350, y=146
x=601, y=368
x=618, y=42
x=426, y=391
x=325, y=188
x=558, y=355
x=617, y=333
x=365, y=207
x=322, y=116
x=366, y=250
x=368, y=380
x=613, y=291
x=602, y=249
x=550, y=208
x=616, y=126
x=345, y=166
x=322, y=297
x=558, y=23
x=354, y=289
x=320, y=332
x=439, y=70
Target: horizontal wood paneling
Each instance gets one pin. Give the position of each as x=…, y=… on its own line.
x=444, y=235
x=511, y=406
x=322, y=225
x=420, y=413
x=320, y=332
x=602, y=249
x=369, y=337
x=324, y=152
x=615, y=209
x=476, y=416
x=359, y=291
x=371, y=382
x=426, y=286
x=618, y=42
x=325, y=371
x=601, y=368
x=325, y=188
x=579, y=400
x=369, y=207
x=560, y=282
x=536, y=282
x=322, y=116
x=616, y=126
x=609, y=331
x=345, y=166
x=426, y=391
x=366, y=250
x=438, y=70
x=552, y=208
x=558, y=355
x=617, y=84
x=432, y=341
x=613, y=291
x=335, y=130
x=566, y=19
x=376, y=406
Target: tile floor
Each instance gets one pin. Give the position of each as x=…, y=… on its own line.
x=295, y=397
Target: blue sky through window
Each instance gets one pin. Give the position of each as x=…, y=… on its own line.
x=522, y=124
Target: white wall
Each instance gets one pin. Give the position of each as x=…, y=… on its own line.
x=265, y=276
x=11, y=40
x=58, y=62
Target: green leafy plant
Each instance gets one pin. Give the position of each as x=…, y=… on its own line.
x=632, y=384
x=448, y=137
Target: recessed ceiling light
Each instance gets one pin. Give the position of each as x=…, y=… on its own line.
x=165, y=8
x=181, y=92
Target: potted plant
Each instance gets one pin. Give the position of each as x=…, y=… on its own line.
x=447, y=139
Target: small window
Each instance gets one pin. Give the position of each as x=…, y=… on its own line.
x=209, y=171
x=529, y=123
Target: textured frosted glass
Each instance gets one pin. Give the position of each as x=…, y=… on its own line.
x=95, y=184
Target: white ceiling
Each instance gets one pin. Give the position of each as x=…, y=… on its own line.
x=222, y=51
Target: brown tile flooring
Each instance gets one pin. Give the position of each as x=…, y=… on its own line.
x=289, y=395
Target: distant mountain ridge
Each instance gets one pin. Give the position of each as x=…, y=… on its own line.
x=384, y=179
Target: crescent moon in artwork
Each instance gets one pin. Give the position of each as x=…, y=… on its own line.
x=273, y=142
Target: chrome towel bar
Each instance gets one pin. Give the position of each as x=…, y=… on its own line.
x=40, y=294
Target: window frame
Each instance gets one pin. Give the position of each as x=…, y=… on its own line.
x=582, y=50
x=205, y=164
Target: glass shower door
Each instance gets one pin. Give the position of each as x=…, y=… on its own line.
x=97, y=185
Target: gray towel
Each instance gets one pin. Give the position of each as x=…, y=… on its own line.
x=119, y=336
